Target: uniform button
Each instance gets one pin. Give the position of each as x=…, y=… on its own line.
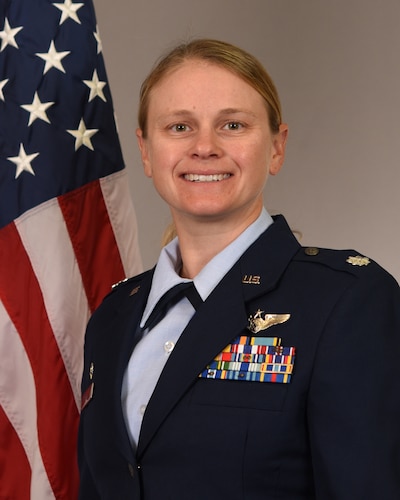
x=169, y=346
x=311, y=251
x=142, y=409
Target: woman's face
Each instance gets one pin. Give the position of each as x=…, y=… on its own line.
x=209, y=148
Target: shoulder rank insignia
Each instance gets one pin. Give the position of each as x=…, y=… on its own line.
x=358, y=261
x=257, y=323
x=118, y=283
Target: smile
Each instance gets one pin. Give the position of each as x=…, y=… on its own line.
x=206, y=178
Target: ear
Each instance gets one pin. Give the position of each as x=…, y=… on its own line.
x=143, y=147
x=278, y=149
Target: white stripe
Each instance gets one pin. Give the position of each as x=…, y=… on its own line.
x=46, y=240
x=122, y=215
x=18, y=399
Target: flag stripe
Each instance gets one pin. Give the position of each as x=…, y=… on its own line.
x=47, y=366
x=18, y=415
x=115, y=188
x=63, y=293
x=11, y=452
x=93, y=240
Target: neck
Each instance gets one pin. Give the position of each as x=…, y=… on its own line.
x=199, y=243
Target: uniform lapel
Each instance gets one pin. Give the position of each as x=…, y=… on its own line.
x=265, y=262
x=218, y=320
x=222, y=317
x=124, y=329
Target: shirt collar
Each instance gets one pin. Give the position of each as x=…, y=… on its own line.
x=166, y=272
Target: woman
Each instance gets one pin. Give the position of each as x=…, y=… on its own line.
x=275, y=376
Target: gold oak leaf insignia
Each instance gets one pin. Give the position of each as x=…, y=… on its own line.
x=358, y=260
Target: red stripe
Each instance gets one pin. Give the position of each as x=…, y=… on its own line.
x=15, y=471
x=56, y=409
x=93, y=240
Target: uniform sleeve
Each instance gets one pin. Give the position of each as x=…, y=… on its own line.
x=87, y=488
x=354, y=397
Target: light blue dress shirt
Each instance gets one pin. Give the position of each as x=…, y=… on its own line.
x=151, y=353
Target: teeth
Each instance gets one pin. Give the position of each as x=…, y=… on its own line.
x=206, y=178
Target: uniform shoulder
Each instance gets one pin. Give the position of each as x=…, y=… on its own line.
x=347, y=261
x=127, y=284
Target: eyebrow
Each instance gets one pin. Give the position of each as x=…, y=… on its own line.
x=234, y=111
x=185, y=113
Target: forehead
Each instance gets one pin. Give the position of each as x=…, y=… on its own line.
x=198, y=81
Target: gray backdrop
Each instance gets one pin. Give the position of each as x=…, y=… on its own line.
x=337, y=67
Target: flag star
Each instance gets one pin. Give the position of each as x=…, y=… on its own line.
x=37, y=109
x=96, y=87
x=2, y=84
x=98, y=40
x=23, y=161
x=7, y=36
x=69, y=10
x=83, y=135
x=52, y=58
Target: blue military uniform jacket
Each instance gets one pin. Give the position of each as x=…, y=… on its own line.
x=331, y=430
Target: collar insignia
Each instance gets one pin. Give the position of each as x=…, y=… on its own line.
x=250, y=279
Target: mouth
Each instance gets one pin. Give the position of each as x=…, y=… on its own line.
x=206, y=178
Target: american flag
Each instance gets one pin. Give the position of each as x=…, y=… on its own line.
x=67, y=233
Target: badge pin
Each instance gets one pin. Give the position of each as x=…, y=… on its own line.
x=91, y=371
x=258, y=322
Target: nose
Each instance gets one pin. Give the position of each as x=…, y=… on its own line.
x=206, y=144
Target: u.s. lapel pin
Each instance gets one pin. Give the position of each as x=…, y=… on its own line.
x=251, y=279
x=258, y=322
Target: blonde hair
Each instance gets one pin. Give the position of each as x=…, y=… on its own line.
x=223, y=54
x=169, y=234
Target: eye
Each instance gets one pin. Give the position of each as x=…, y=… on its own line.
x=233, y=126
x=179, y=127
